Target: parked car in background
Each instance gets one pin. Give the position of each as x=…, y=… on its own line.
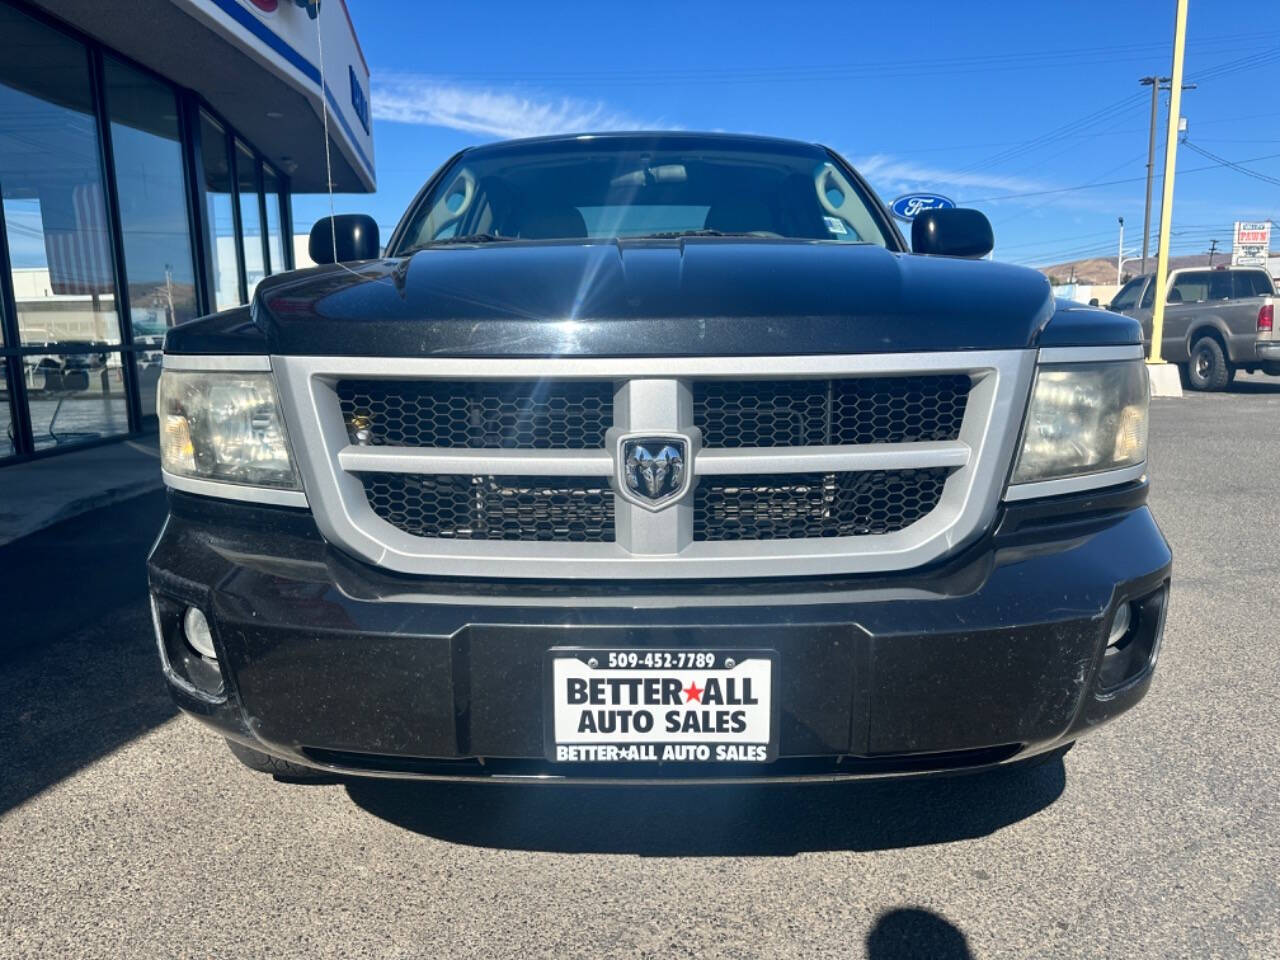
x=1268, y=342
x=1214, y=321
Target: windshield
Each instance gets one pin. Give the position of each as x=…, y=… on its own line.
x=603, y=189
x=1127, y=298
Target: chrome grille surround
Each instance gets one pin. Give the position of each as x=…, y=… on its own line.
x=655, y=395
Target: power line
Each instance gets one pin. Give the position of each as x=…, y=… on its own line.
x=1062, y=249
x=1117, y=109
x=1114, y=111
x=1057, y=133
x=1095, y=180
x=1232, y=140
x=880, y=68
x=1090, y=186
x=1236, y=64
x=1265, y=178
x=1053, y=240
x=1060, y=258
x=1249, y=116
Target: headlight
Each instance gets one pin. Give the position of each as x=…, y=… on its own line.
x=224, y=427
x=1084, y=418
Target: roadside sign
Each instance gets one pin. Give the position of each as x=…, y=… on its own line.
x=1252, y=243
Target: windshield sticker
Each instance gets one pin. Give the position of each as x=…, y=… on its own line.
x=836, y=225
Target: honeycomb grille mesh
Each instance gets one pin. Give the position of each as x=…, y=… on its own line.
x=813, y=505
x=798, y=413
x=553, y=509
x=575, y=415
x=531, y=415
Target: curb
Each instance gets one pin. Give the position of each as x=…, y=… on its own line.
x=82, y=505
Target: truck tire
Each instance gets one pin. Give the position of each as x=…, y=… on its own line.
x=1209, y=368
x=285, y=770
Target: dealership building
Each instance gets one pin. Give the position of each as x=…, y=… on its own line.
x=148, y=153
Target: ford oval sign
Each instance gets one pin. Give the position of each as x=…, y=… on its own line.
x=911, y=205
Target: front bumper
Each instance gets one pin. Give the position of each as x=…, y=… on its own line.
x=991, y=657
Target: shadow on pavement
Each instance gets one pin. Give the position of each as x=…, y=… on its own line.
x=909, y=933
x=1256, y=387
x=79, y=676
x=759, y=820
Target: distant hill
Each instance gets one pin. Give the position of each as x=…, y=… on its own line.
x=1102, y=270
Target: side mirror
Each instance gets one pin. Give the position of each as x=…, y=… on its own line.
x=354, y=234
x=1093, y=302
x=952, y=232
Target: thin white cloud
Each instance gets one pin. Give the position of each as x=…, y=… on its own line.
x=428, y=101
x=887, y=171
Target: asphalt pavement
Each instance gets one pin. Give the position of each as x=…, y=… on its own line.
x=127, y=830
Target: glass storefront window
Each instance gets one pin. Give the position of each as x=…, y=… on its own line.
x=53, y=198
x=275, y=235
x=250, y=217
x=225, y=282
x=147, y=148
x=68, y=369
x=8, y=437
x=75, y=397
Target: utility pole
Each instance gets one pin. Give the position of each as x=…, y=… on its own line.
x=1157, y=84
x=1120, y=253
x=1154, y=83
x=1166, y=206
x=1213, y=248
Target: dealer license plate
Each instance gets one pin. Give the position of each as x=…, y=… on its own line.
x=619, y=705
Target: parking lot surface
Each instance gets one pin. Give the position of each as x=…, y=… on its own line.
x=126, y=830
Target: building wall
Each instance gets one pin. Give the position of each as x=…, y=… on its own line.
x=282, y=37
x=1084, y=292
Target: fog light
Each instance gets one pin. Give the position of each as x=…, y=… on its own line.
x=1120, y=625
x=1132, y=642
x=196, y=629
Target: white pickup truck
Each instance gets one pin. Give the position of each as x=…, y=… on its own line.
x=1215, y=322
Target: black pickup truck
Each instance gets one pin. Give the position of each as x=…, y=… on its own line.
x=655, y=457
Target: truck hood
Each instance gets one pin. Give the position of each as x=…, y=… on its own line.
x=688, y=297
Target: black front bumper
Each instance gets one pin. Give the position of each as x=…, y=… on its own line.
x=991, y=657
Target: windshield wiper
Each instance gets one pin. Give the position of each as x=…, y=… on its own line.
x=677, y=234
x=469, y=238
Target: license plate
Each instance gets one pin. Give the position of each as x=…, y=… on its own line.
x=678, y=706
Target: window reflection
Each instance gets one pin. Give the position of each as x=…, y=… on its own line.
x=250, y=218
x=53, y=201
x=275, y=236
x=218, y=214
x=75, y=397
x=8, y=441
x=146, y=144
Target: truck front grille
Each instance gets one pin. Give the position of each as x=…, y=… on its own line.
x=540, y=509
x=803, y=413
x=814, y=505
x=529, y=415
x=796, y=466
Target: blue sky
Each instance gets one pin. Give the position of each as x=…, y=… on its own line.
x=1008, y=106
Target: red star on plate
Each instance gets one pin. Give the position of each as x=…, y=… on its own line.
x=693, y=692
